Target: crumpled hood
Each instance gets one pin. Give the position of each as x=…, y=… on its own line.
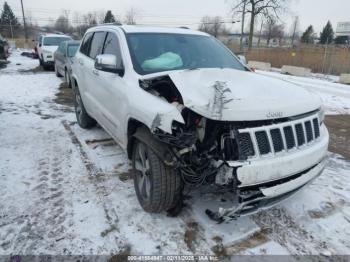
x=234, y=95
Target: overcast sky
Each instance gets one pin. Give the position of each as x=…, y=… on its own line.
x=184, y=12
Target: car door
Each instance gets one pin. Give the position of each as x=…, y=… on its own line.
x=91, y=79
x=110, y=91
x=80, y=69
x=59, y=57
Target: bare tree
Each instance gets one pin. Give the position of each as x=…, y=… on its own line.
x=213, y=25
x=62, y=24
x=256, y=8
x=270, y=23
x=273, y=30
x=90, y=19
x=131, y=16
x=100, y=16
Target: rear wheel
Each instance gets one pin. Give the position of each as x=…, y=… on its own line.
x=67, y=78
x=84, y=120
x=56, y=71
x=158, y=187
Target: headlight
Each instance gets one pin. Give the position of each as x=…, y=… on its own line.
x=321, y=114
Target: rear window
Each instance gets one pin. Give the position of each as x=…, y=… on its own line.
x=72, y=49
x=55, y=41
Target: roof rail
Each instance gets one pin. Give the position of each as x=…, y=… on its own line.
x=114, y=23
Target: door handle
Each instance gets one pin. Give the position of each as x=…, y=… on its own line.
x=95, y=72
x=80, y=62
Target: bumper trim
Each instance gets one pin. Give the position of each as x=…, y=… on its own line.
x=265, y=197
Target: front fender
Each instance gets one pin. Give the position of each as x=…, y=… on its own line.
x=161, y=150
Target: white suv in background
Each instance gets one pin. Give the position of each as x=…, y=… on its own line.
x=189, y=113
x=46, y=46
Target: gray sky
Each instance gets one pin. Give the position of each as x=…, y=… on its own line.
x=184, y=12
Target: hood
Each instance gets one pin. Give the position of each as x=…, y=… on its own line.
x=50, y=48
x=233, y=95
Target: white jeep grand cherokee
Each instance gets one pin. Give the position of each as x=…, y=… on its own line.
x=189, y=113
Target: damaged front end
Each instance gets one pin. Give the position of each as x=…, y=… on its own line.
x=199, y=145
x=261, y=162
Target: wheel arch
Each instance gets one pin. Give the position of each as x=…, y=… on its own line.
x=133, y=125
x=74, y=83
x=139, y=131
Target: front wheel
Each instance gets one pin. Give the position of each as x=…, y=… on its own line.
x=56, y=71
x=84, y=120
x=158, y=187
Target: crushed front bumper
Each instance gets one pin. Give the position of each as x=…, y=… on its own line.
x=264, y=182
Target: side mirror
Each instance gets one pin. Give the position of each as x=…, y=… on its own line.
x=40, y=44
x=242, y=59
x=108, y=63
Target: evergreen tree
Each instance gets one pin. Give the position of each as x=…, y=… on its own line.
x=308, y=35
x=109, y=18
x=327, y=34
x=7, y=16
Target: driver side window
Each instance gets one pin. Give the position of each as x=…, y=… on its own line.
x=112, y=47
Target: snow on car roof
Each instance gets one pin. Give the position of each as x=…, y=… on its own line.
x=55, y=35
x=151, y=29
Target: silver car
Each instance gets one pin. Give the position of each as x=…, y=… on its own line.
x=64, y=59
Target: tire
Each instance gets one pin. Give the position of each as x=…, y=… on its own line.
x=84, y=120
x=158, y=188
x=46, y=67
x=56, y=71
x=67, y=78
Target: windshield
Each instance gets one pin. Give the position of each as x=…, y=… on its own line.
x=54, y=41
x=156, y=52
x=72, y=49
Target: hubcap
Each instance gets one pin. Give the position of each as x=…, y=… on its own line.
x=143, y=168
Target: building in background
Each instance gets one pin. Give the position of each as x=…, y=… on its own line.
x=343, y=33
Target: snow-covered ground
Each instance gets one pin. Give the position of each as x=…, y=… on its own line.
x=335, y=96
x=65, y=190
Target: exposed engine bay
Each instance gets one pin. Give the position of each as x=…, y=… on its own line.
x=202, y=148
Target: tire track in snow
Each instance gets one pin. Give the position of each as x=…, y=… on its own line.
x=94, y=173
x=45, y=220
x=282, y=228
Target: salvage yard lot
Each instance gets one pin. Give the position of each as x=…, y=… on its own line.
x=65, y=190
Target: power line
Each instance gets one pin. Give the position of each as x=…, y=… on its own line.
x=24, y=23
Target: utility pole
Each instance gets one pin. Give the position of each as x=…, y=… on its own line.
x=261, y=27
x=11, y=29
x=296, y=21
x=242, y=28
x=24, y=23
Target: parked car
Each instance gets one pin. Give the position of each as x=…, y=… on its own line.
x=189, y=113
x=3, y=48
x=47, y=45
x=63, y=58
